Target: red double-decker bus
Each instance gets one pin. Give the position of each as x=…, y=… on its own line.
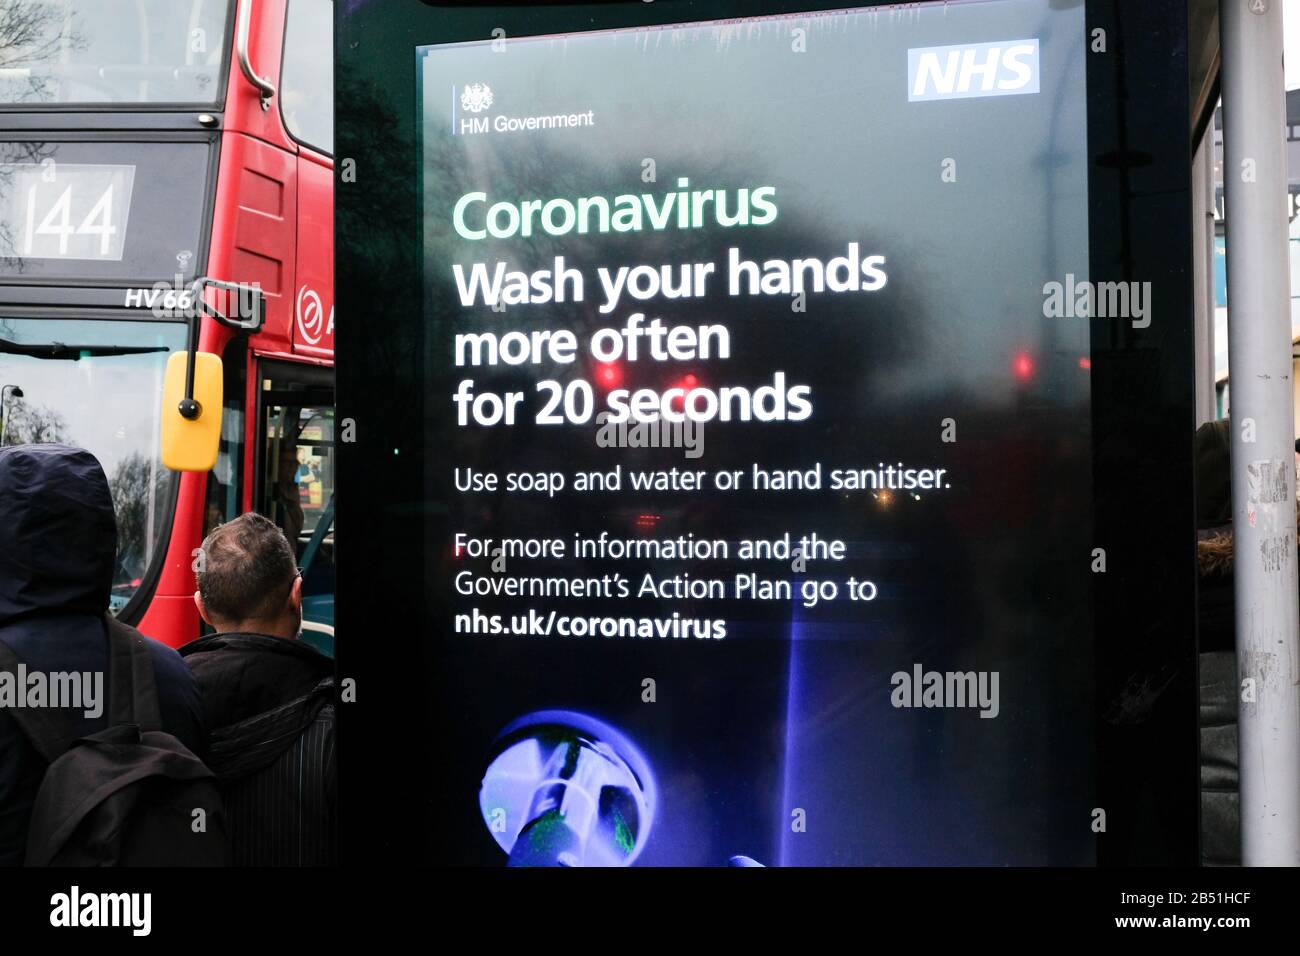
x=155, y=153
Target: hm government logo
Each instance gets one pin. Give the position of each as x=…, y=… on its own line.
x=476, y=97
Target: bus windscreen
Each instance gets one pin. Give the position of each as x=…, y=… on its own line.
x=98, y=53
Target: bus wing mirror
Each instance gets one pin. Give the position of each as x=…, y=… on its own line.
x=245, y=306
x=191, y=412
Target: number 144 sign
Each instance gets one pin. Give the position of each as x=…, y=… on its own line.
x=65, y=210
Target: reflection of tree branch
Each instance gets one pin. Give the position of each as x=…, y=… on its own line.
x=25, y=31
x=32, y=31
x=132, y=496
x=28, y=424
x=379, y=262
x=16, y=154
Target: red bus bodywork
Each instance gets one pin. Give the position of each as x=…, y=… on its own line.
x=273, y=225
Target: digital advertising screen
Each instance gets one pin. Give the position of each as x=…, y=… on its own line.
x=744, y=447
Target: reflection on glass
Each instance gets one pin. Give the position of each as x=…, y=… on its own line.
x=299, y=497
x=307, y=90
x=112, y=51
x=99, y=210
x=97, y=385
x=300, y=467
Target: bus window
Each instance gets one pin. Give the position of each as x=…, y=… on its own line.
x=296, y=463
x=307, y=80
x=95, y=383
x=111, y=213
x=113, y=52
x=225, y=481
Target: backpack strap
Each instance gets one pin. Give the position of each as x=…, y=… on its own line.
x=43, y=728
x=132, y=695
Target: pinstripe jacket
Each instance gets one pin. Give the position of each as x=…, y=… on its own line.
x=269, y=704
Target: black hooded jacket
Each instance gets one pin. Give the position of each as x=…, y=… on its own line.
x=58, y=547
x=241, y=675
x=268, y=703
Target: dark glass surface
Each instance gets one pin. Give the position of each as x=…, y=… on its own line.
x=1056, y=428
x=99, y=211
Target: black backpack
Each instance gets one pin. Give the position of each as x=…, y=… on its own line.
x=127, y=795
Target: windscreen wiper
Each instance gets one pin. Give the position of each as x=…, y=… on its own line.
x=59, y=350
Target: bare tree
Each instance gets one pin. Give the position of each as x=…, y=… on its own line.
x=12, y=155
x=28, y=424
x=33, y=32
x=138, y=487
x=29, y=30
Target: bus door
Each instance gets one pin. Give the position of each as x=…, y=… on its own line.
x=294, y=485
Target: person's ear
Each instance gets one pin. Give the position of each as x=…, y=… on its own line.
x=295, y=594
x=203, y=612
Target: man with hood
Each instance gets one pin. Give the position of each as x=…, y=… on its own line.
x=58, y=549
x=267, y=697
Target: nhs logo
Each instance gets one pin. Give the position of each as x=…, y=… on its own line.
x=1005, y=68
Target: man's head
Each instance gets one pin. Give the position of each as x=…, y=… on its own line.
x=249, y=581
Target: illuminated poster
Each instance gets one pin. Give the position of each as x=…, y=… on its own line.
x=759, y=365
